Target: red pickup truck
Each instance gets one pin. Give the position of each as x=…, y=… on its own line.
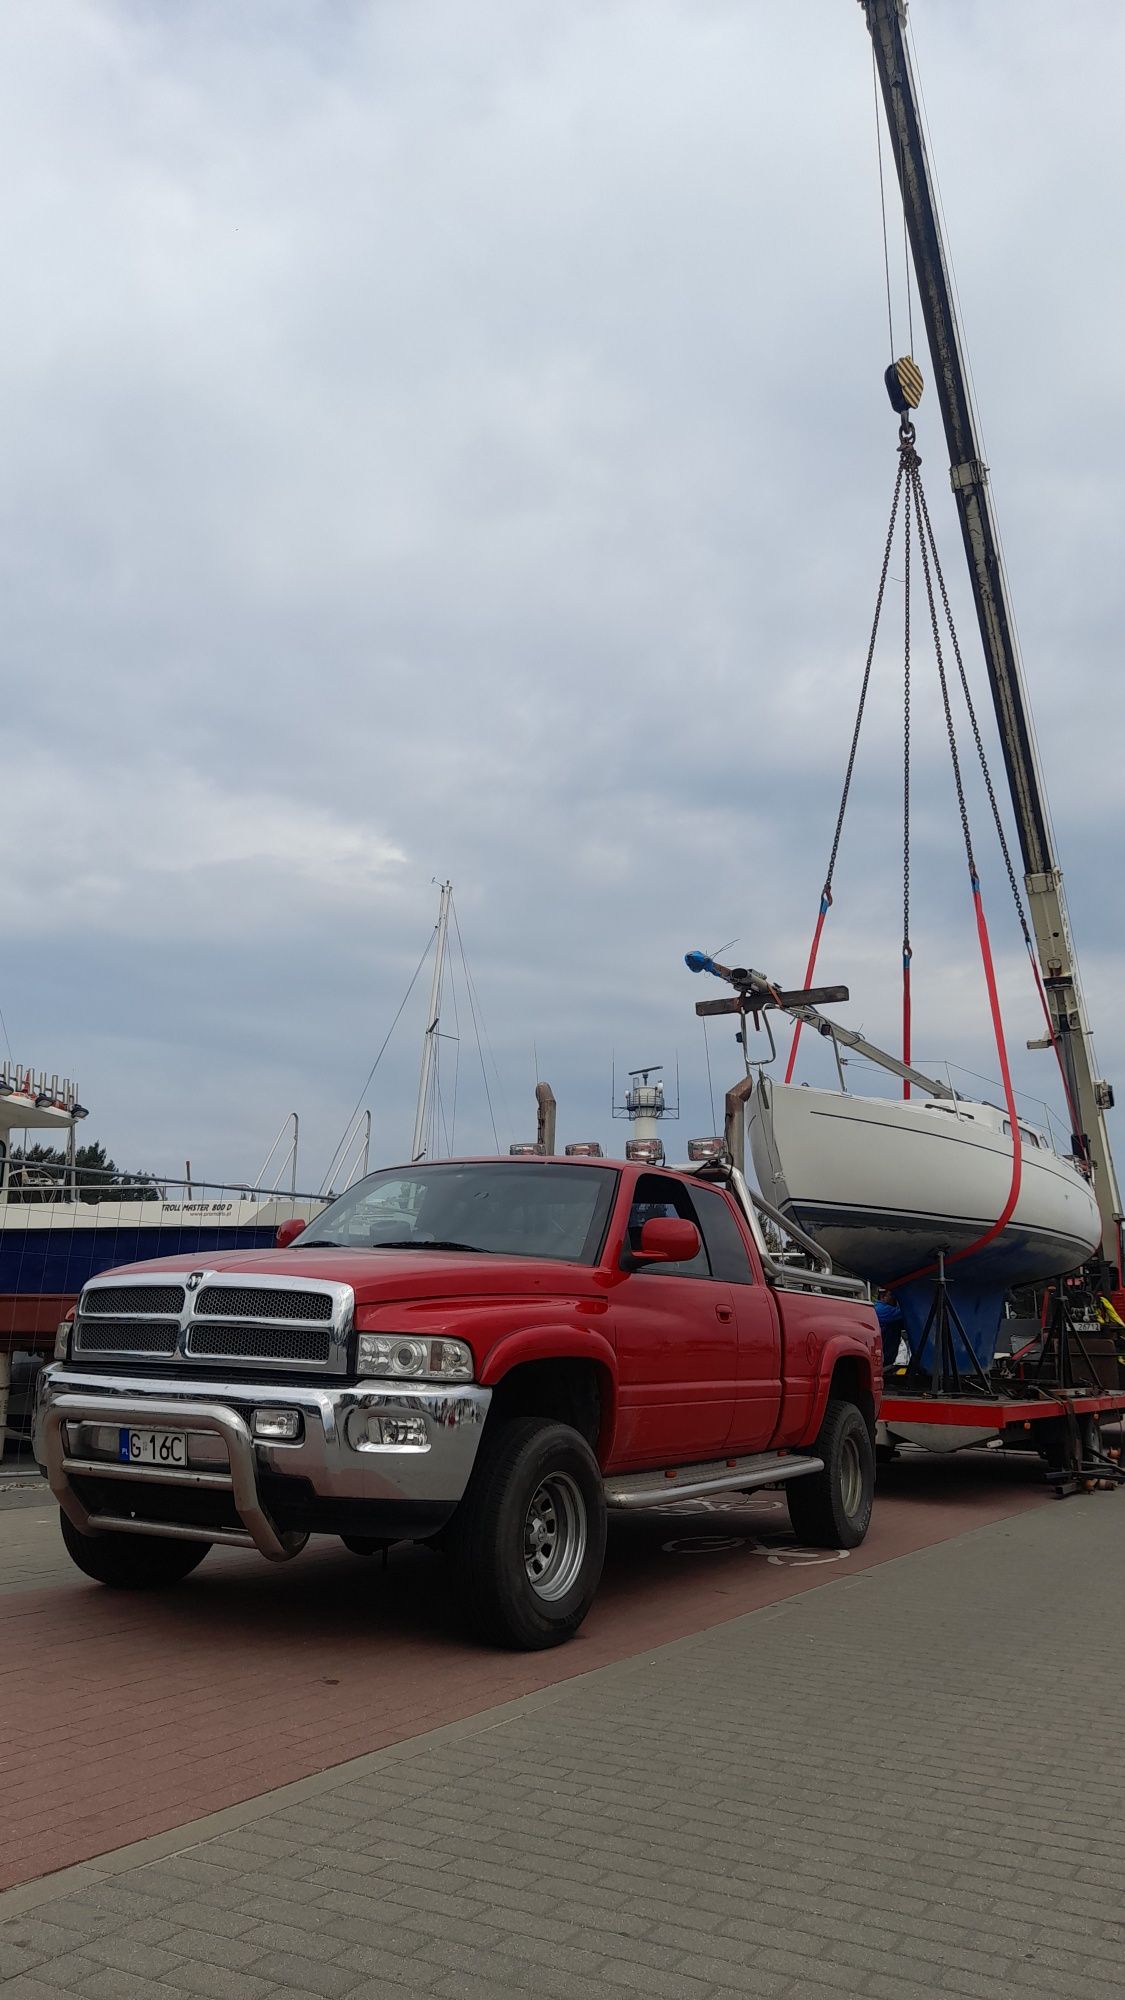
x=486, y=1354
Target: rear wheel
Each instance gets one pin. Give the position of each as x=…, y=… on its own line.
x=831, y=1509
x=131, y=1562
x=528, y=1540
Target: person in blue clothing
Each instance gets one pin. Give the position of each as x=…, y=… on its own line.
x=892, y=1326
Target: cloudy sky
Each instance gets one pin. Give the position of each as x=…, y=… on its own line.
x=450, y=440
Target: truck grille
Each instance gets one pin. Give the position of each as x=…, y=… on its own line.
x=98, y=1336
x=260, y=1343
x=116, y=1299
x=256, y=1302
x=306, y=1326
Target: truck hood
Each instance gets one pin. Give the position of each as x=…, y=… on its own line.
x=375, y=1275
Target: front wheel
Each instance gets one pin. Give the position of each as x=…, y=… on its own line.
x=528, y=1540
x=131, y=1562
x=831, y=1509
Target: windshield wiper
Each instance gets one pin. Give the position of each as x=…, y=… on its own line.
x=426, y=1243
x=319, y=1243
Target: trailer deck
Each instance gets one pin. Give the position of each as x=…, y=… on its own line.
x=1063, y=1426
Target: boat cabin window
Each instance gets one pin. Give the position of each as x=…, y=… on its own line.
x=1029, y=1138
x=655, y=1199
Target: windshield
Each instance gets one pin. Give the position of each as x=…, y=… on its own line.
x=510, y=1208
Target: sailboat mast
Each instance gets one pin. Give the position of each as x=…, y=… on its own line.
x=429, y=1039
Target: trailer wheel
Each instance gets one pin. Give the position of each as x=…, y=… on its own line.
x=131, y=1562
x=832, y=1509
x=528, y=1540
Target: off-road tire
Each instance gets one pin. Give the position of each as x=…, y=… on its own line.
x=832, y=1509
x=499, y=1535
x=131, y=1562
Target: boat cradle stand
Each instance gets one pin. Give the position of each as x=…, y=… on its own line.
x=948, y=1372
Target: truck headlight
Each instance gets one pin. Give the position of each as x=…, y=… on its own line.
x=62, y=1340
x=413, y=1358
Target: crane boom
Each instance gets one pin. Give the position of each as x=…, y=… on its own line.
x=886, y=20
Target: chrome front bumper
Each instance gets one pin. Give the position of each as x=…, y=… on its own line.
x=334, y=1456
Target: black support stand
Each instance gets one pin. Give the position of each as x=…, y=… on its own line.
x=1055, y=1362
x=948, y=1374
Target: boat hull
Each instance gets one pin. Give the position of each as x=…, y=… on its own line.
x=884, y=1186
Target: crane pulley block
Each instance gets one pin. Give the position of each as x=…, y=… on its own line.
x=904, y=384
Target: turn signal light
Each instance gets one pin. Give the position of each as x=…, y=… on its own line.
x=407, y=1433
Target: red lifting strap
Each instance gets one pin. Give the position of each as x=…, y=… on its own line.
x=825, y=902
x=1008, y=1209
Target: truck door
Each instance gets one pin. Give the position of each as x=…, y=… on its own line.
x=758, y=1397
x=677, y=1344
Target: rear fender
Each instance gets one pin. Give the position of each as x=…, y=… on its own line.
x=861, y=1365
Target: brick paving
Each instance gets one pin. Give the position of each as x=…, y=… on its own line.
x=903, y=1786
x=126, y=1715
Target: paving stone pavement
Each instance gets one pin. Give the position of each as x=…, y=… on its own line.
x=904, y=1785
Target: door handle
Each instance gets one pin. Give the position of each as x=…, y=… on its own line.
x=724, y=1312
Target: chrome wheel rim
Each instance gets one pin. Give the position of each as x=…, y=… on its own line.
x=851, y=1478
x=554, y=1537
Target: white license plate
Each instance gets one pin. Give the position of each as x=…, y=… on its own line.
x=152, y=1447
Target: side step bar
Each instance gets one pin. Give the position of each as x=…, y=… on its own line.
x=688, y=1482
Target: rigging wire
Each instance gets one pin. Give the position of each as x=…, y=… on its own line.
x=469, y=989
x=908, y=490
x=907, y=952
x=383, y=1047
x=1075, y=1123
x=497, y=1075
x=883, y=203
x=1005, y=1216
x=710, y=1085
x=909, y=296
x=456, y=1060
x=826, y=892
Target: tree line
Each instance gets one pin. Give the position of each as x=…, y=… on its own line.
x=41, y=1173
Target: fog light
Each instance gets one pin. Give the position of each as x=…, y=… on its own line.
x=406, y=1432
x=276, y=1426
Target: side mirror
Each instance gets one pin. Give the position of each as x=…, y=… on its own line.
x=667, y=1239
x=288, y=1230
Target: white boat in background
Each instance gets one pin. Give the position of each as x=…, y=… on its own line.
x=60, y=1226
x=883, y=1184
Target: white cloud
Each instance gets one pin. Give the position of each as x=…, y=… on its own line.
x=446, y=440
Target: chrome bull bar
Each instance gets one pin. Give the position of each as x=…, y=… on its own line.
x=241, y=1480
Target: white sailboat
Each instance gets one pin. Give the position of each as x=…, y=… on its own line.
x=884, y=1184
